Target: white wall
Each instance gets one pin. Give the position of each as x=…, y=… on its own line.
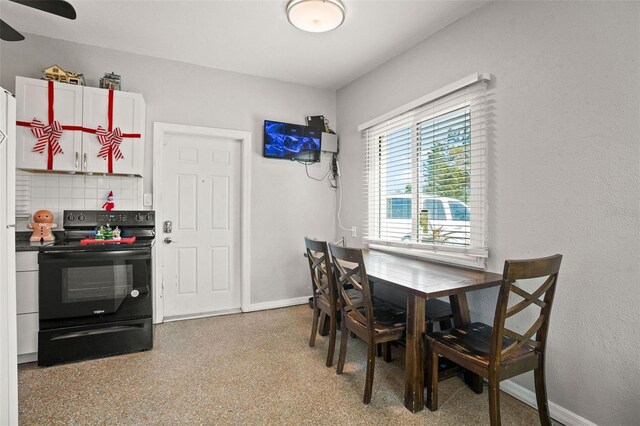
x=286, y=205
x=565, y=175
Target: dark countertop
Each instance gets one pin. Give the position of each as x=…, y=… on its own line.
x=23, y=243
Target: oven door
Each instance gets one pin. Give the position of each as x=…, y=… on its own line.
x=110, y=285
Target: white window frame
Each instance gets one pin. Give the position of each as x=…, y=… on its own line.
x=473, y=257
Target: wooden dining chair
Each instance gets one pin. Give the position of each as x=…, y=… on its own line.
x=375, y=324
x=498, y=353
x=325, y=298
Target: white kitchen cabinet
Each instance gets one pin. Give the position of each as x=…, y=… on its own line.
x=27, y=305
x=86, y=108
x=128, y=112
x=27, y=337
x=27, y=292
x=32, y=100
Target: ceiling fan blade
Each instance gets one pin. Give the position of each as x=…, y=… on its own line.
x=57, y=7
x=8, y=33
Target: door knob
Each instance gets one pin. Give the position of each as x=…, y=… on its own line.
x=168, y=240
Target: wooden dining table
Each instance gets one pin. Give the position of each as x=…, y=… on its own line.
x=422, y=280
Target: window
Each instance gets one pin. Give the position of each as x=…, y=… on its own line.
x=425, y=168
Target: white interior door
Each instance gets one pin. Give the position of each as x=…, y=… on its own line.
x=201, y=189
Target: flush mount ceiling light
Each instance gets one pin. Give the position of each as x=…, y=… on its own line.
x=315, y=16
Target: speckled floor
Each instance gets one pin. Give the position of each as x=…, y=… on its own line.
x=254, y=368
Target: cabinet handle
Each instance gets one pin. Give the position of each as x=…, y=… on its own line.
x=77, y=160
x=84, y=162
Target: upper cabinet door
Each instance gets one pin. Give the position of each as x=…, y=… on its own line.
x=119, y=121
x=33, y=98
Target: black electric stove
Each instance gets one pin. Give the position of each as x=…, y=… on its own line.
x=95, y=300
x=81, y=224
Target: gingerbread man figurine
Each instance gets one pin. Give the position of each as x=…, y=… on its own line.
x=42, y=226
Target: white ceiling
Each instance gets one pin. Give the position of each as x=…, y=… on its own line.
x=251, y=37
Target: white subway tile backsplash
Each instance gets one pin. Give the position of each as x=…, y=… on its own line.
x=52, y=181
x=93, y=204
x=90, y=182
x=37, y=204
x=90, y=193
x=59, y=192
x=126, y=194
x=77, y=193
x=38, y=180
x=65, y=182
x=115, y=183
x=52, y=192
x=38, y=192
x=65, y=203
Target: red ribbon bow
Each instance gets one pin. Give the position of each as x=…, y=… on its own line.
x=110, y=142
x=47, y=136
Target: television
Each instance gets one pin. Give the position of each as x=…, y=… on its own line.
x=292, y=141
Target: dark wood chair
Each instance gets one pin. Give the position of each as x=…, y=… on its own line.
x=325, y=298
x=375, y=324
x=498, y=353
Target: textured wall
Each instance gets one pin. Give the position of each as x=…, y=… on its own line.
x=565, y=175
x=286, y=205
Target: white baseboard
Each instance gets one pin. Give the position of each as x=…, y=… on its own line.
x=201, y=315
x=24, y=358
x=557, y=412
x=276, y=304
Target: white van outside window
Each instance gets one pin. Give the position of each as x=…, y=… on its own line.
x=443, y=220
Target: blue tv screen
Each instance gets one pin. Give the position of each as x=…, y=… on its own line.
x=291, y=141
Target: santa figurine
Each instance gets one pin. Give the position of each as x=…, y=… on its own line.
x=109, y=204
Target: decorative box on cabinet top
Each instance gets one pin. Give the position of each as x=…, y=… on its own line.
x=79, y=129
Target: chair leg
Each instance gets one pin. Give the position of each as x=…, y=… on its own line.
x=314, y=326
x=379, y=349
x=432, y=378
x=332, y=339
x=494, y=400
x=344, y=338
x=371, y=364
x=541, y=396
x=386, y=351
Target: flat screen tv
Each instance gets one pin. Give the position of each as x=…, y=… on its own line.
x=291, y=141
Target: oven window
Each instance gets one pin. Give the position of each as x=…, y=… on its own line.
x=88, y=283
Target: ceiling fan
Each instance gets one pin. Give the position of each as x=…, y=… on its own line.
x=56, y=7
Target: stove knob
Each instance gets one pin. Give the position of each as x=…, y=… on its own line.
x=138, y=217
x=71, y=218
x=149, y=217
x=81, y=217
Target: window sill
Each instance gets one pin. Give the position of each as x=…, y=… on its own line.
x=469, y=258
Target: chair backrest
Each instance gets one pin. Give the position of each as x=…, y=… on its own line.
x=353, y=284
x=322, y=277
x=546, y=268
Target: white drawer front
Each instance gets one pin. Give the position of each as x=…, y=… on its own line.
x=27, y=292
x=27, y=261
x=27, y=333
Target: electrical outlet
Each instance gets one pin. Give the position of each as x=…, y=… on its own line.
x=148, y=199
x=354, y=232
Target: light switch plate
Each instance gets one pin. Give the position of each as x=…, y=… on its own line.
x=148, y=199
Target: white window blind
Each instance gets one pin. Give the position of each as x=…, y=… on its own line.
x=425, y=178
